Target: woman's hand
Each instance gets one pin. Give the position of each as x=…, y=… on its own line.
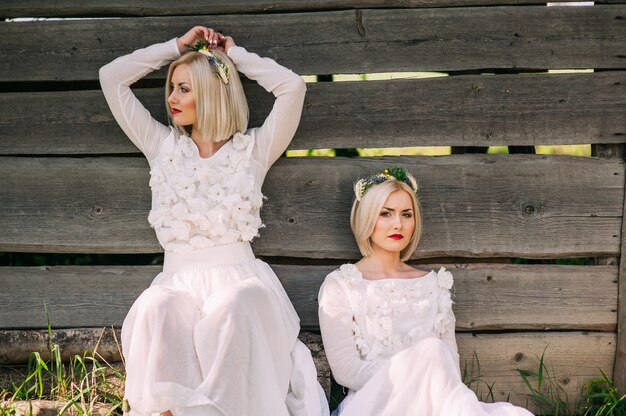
x=228, y=43
x=197, y=33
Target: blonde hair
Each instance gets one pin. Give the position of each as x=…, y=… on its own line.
x=365, y=214
x=222, y=109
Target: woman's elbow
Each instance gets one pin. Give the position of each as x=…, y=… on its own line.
x=297, y=86
x=105, y=74
x=297, y=91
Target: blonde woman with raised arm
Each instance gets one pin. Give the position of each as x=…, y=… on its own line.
x=215, y=333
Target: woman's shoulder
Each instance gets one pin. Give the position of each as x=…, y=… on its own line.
x=341, y=279
x=346, y=273
x=445, y=278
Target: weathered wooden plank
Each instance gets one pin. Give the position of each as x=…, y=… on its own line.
x=69, y=8
x=573, y=358
x=71, y=296
x=535, y=297
x=465, y=110
x=487, y=297
x=471, y=205
x=16, y=345
x=354, y=41
x=474, y=205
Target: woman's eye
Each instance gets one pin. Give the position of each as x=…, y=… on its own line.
x=407, y=215
x=184, y=89
x=385, y=214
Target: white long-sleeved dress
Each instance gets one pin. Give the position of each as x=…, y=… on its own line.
x=391, y=343
x=215, y=333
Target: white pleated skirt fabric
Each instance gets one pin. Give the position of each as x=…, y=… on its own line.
x=421, y=380
x=216, y=334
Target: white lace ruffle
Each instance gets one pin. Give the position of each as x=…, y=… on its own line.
x=202, y=203
x=380, y=303
x=445, y=320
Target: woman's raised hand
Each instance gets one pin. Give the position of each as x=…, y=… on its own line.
x=197, y=33
x=228, y=42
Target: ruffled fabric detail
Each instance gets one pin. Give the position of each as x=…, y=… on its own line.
x=200, y=203
x=379, y=304
x=445, y=278
x=445, y=320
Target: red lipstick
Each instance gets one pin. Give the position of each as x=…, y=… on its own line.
x=396, y=236
x=175, y=111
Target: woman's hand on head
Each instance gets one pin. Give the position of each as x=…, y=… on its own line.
x=198, y=33
x=228, y=43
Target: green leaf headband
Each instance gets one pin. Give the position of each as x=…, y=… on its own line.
x=202, y=46
x=398, y=173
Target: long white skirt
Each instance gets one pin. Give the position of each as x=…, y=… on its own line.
x=422, y=380
x=216, y=334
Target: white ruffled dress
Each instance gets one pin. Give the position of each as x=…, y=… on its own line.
x=215, y=333
x=391, y=343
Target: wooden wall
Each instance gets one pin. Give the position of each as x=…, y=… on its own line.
x=70, y=182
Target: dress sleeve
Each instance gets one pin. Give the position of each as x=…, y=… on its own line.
x=336, y=319
x=449, y=338
x=116, y=78
x=279, y=127
x=445, y=322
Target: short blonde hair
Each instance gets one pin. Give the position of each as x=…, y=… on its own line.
x=365, y=214
x=222, y=109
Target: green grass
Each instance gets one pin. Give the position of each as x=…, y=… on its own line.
x=88, y=383
x=473, y=378
x=601, y=397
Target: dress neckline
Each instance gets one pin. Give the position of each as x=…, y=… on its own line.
x=196, y=152
x=391, y=279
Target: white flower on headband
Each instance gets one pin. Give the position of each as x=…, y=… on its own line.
x=413, y=182
x=359, y=189
x=222, y=68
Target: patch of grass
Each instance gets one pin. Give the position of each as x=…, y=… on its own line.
x=473, y=378
x=86, y=384
x=545, y=391
x=603, y=398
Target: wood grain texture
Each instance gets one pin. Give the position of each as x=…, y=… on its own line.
x=535, y=297
x=468, y=110
x=353, y=41
x=69, y=8
x=573, y=357
x=487, y=297
x=473, y=205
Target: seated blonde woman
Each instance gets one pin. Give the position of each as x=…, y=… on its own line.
x=387, y=327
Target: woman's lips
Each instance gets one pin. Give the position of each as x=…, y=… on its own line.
x=396, y=236
x=175, y=111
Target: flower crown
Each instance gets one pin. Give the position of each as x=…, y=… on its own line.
x=398, y=173
x=202, y=46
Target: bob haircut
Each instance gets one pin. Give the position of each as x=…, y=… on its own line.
x=365, y=214
x=222, y=109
